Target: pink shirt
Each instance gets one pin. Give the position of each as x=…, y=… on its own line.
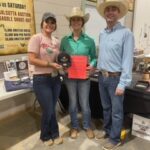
x=46, y=49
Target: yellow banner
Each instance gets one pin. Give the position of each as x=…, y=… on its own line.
x=16, y=25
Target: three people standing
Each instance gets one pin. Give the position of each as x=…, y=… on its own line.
x=114, y=62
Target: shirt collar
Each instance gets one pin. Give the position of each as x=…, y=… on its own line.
x=81, y=35
x=115, y=27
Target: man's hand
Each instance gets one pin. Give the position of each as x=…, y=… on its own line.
x=119, y=92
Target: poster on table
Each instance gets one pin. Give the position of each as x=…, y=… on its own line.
x=16, y=25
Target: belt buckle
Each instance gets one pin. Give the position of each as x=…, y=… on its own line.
x=105, y=73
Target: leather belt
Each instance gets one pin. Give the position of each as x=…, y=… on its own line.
x=45, y=75
x=109, y=74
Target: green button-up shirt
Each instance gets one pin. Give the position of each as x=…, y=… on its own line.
x=84, y=46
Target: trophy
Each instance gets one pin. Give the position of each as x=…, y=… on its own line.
x=64, y=59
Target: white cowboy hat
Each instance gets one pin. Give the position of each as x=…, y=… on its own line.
x=77, y=12
x=121, y=4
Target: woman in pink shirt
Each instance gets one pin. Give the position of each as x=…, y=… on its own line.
x=43, y=49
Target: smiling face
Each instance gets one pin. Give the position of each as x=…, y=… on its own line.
x=76, y=23
x=111, y=14
x=49, y=25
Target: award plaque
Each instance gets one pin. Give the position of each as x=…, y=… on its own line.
x=78, y=67
x=64, y=59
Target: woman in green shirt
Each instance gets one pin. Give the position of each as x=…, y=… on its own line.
x=78, y=43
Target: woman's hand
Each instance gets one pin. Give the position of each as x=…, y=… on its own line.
x=89, y=71
x=65, y=69
x=55, y=66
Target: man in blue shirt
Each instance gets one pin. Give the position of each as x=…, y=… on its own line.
x=115, y=62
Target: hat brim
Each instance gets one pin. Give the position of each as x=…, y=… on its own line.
x=121, y=5
x=85, y=17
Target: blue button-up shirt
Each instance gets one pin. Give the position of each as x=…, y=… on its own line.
x=116, y=52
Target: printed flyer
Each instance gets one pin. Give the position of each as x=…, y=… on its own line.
x=17, y=25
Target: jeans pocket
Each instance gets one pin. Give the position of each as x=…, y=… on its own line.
x=114, y=81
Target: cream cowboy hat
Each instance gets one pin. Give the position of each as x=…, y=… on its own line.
x=77, y=12
x=121, y=4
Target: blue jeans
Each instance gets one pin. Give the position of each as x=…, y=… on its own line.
x=112, y=107
x=79, y=89
x=47, y=90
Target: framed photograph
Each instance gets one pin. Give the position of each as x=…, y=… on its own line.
x=95, y=1
x=131, y=5
x=91, y=2
x=22, y=68
x=141, y=26
x=3, y=68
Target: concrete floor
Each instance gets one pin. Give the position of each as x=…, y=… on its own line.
x=21, y=132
